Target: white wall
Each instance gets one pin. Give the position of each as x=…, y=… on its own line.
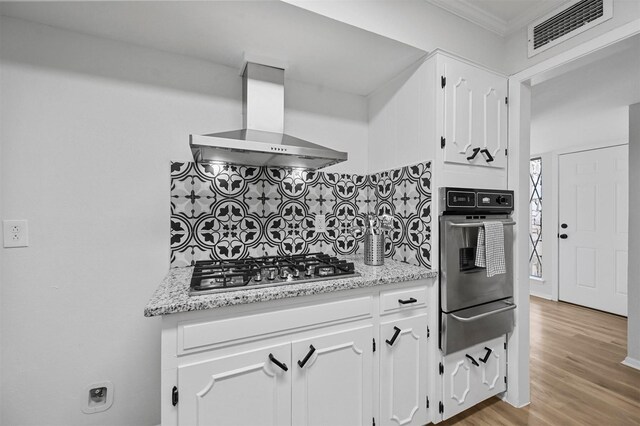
x=401, y=123
x=633, y=323
x=331, y=118
x=588, y=105
x=417, y=23
x=624, y=11
x=89, y=127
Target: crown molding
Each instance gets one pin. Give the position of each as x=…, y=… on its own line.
x=467, y=10
x=472, y=13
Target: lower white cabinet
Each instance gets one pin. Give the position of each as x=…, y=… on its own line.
x=403, y=371
x=473, y=375
x=328, y=381
x=332, y=379
x=331, y=360
x=246, y=388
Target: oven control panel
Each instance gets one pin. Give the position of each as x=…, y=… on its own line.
x=475, y=201
x=494, y=199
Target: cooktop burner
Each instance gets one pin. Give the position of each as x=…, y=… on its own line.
x=216, y=276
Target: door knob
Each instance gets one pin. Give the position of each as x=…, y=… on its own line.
x=564, y=236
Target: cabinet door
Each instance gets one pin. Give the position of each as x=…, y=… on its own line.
x=465, y=384
x=475, y=115
x=403, y=371
x=242, y=389
x=334, y=385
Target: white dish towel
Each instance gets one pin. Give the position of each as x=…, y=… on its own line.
x=490, y=250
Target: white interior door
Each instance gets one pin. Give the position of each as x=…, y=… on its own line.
x=593, y=213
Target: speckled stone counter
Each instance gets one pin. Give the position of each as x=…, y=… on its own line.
x=172, y=296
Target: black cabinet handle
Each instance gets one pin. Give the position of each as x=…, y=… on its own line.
x=278, y=363
x=307, y=356
x=395, y=336
x=475, y=152
x=174, y=396
x=564, y=236
x=406, y=302
x=486, y=356
x=564, y=226
x=488, y=154
x=473, y=361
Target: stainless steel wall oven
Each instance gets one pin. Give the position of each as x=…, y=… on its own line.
x=473, y=307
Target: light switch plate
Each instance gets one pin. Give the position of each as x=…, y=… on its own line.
x=15, y=233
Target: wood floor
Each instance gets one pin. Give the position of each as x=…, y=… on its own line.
x=576, y=375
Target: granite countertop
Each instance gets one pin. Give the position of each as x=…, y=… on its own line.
x=172, y=296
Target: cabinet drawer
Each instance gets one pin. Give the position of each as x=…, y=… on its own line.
x=198, y=335
x=399, y=300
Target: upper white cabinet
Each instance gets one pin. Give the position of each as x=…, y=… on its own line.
x=448, y=110
x=475, y=114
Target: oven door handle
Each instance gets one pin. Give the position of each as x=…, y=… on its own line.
x=484, y=315
x=477, y=225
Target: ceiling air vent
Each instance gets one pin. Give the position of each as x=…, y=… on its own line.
x=567, y=21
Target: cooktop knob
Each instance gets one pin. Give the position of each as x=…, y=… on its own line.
x=501, y=199
x=296, y=273
x=309, y=271
x=257, y=277
x=272, y=275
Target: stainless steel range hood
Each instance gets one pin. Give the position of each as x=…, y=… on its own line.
x=262, y=141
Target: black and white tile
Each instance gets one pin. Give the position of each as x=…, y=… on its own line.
x=229, y=211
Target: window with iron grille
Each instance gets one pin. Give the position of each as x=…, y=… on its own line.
x=535, y=218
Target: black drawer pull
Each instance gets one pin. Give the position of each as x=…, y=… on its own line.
x=278, y=363
x=486, y=356
x=475, y=152
x=395, y=336
x=406, y=302
x=174, y=396
x=563, y=236
x=307, y=356
x=488, y=154
x=473, y=361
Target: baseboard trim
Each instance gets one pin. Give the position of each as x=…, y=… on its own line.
x=631, y=362
x=540, y=295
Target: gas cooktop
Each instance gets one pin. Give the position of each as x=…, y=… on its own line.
x=217, y=276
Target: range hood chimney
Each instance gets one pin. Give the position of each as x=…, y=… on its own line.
x=262, y=141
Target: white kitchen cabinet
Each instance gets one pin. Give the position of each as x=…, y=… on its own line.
x=218, y=360
x=245, y=388
x=475, y=114
x=473, y=375
x=442, y=110
x=403, y=371
x=332, y=378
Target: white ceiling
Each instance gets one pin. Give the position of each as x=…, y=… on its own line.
x=503, y=17
x=311, y=47
x=587, y=104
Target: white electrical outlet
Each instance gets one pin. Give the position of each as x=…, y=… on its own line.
x=321, y=223
x=15, y=233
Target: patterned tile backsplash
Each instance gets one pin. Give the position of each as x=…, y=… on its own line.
x=229, y=212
